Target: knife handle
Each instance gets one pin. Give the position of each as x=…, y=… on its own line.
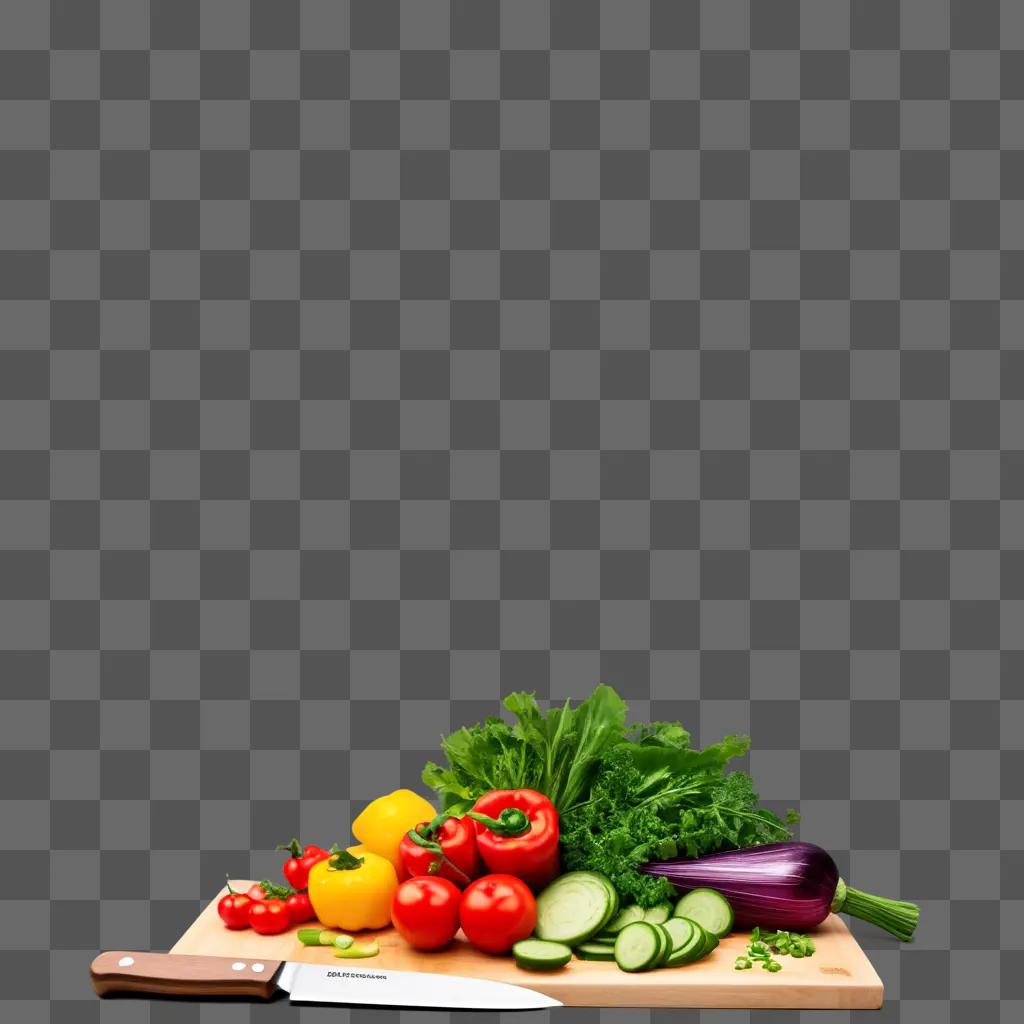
x=173, y=974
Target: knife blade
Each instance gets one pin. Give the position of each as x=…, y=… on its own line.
x=315, y=983
x=178, y=974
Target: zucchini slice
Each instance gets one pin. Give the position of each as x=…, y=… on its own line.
x=574, y=907
x=627, y=915
x=595, y=951
x=658, y=914
x=539, y=955
x=709, y=909
x=692, y=948
x=638, y=947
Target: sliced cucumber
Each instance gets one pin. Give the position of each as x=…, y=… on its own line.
x=605, y=938
x=574, y=907
x=627, y=915
x=692, y=949
x=638, y=947
x=710, y=943
x=667, y=951
x=709, y=909
x=658, y=914
x=679, y=929
x=664, y=944
x=613, y=895
x=540, y=955
x=595, y=951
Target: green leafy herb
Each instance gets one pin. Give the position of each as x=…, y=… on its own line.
x=654, y=801
x=556, y=752
x=273, y=891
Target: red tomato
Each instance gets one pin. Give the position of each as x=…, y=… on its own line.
x=497, y=911
x=300, y=909
x=234, y=909
x=256, y=892
x=425, y=911
x=269, y=917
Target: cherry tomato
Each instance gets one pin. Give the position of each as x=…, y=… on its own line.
x=497, y=911
x=425, y=911
x=299, y=908
x=269, y=917
x=234, y=909
x=256, y=892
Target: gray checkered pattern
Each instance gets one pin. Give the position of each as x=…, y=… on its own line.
x=363, y=360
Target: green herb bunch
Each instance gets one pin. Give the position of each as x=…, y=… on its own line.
x=625, y=794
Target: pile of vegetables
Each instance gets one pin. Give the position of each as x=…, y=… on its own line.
x=568, y=832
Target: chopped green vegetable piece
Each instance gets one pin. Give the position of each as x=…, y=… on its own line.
x=316, y=936
x=763, y=944
x=358, y=950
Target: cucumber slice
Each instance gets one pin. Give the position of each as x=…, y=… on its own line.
x=595, y=951
x=638, y=947
x=627, y=915
x=574, y=907
x=539, y=955
x=692, y=949
x=613, y=895
x=664, y=944
x=667, y=951
x=710, y=943
x=679, y=930
x=605, y=938
x=709, y=909
x=658, y=914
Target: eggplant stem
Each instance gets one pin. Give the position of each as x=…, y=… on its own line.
x=897, y=917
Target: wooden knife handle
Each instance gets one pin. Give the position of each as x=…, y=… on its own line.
x=173, y=974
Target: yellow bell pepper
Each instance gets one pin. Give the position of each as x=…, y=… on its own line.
x=385, y=820
x=353, y=893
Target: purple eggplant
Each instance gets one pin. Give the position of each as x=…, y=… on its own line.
x=790, y=886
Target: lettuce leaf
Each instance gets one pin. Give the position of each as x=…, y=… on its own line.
x=557, y=752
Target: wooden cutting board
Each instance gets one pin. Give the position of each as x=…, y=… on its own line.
x=838, y=976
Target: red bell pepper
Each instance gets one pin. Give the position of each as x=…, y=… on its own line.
x=517, y=834
x=445, y=847
x=297, y=867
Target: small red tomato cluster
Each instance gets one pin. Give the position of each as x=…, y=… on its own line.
x=268, y=908
x=513, y=834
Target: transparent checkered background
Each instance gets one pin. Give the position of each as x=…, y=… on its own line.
x=363, y=361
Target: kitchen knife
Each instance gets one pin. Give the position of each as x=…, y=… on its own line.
x=178, y=974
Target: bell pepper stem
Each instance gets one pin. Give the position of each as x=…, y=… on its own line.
x=511, y=822
x=429, y=831
x=344, y=861
x=421, y=839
